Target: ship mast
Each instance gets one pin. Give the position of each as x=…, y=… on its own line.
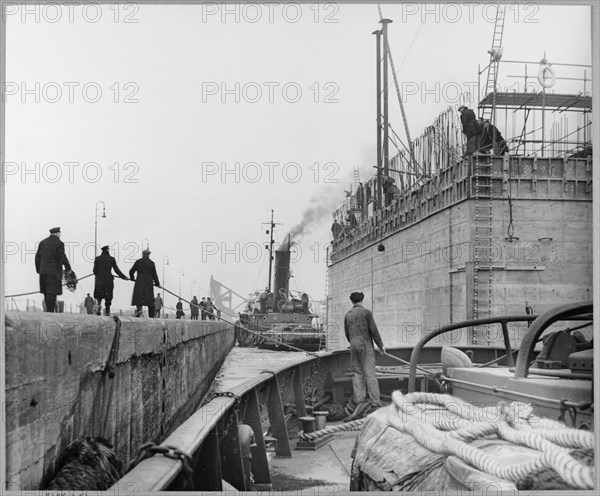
x=270, y=247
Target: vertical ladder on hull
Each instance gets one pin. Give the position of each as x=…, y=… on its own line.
x=324, y=345
x=482, y=249
x=490, y=87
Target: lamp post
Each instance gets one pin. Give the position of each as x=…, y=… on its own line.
x=181, y=274
x=165, y=257
x=147, y=244
x=96, y=224
x=192, y=284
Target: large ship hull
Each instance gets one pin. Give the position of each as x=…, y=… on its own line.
x=458, y=248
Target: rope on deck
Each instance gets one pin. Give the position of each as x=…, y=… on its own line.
x=514, y=422
x=355, y=425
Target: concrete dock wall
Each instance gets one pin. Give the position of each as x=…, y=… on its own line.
x=56, y=389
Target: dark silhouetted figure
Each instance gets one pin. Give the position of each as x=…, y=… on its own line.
x=210, y=309
x=470, y=127
x=49, y=261
x=203, y=308
x=195, y=308
x=179, y=310
x=104, y=264
x=158, y=304
x=492, y=140
x=143, y=292
x=89, y=304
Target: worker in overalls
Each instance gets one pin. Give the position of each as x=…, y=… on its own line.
x=361, y=331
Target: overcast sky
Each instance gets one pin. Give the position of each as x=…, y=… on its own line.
x=191, y=123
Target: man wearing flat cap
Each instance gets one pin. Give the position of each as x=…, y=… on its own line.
x=49, y=261
x=143, y=292
x=104, y=284
x=361, y=331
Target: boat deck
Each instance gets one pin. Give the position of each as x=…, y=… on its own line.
x=244, y=365
x=327, y=468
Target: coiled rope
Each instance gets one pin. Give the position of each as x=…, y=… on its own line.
x=514, y=423
x=355, y=425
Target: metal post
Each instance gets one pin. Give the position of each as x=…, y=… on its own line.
x=386, y=157
x=478, y=83
x=163, y=279
x=378, y=182
x=96, y=224
x=270, y=253
x=543, y=119
x=543, y=109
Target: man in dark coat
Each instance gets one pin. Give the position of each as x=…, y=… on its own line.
x=143, y=293
x=89, y=304
x=471, y=128
x=210, y=309
x=492, y=140
x=103, y=289
x=203, y=308
x=179, y=310
x=194, y=308
x=158, y=304
x=361, y=331
x=49, y=260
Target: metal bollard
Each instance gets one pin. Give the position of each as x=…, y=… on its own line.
x=308, y=424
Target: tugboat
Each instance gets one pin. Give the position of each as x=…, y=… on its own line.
x=281, y=319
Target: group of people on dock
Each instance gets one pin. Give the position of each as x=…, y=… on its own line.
x=205, y=309
x=50, y=259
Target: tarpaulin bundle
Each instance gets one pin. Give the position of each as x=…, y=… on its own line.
x=500, y=444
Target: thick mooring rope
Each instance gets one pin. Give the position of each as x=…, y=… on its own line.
x=514, y=423
x=355, y=425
